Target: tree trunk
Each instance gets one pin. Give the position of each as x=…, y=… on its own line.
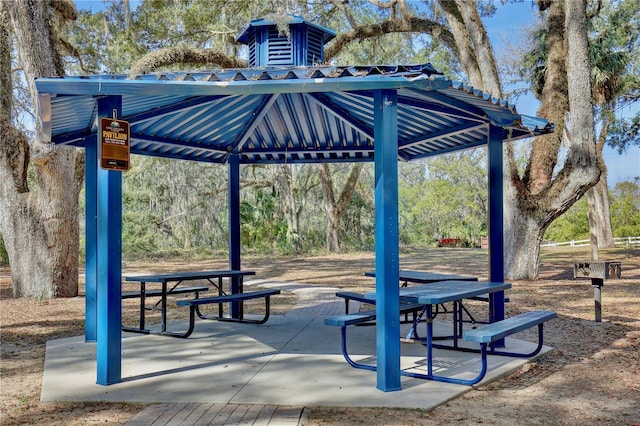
x=464, y=44
x=290, y=208
x=333, y=243
x=335, y=208
x=486, y=61
x=543, y=194
x=39, y=225
x=522, y=248
x=527, y=200
x=554, y=104
x=599, y=214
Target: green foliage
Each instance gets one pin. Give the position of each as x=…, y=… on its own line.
x=615, y=55
x=445, y=197
x=624, y=200
x=103, y=42
x=625, y=209
x=572, y=225
x=262, y=224
x=357, y=226
x=173, y=206
x=198, y=23
x=624, y=133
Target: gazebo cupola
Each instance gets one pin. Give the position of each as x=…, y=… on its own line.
x=268, y=46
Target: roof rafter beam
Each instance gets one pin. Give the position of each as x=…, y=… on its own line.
x=156, y=113
x=439, y=109
x=202, y=159
x=73, y=138
x=441, y=151
x=245, y=134
x=448, y=132
x=314, y=151
x=465, y=110
x=281, y=158
x=341, y=114
x=137, y=138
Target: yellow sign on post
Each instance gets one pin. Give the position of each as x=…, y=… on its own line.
x=114, y=144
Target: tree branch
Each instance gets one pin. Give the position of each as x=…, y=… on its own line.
x=349, y=186
x=6, y=88
x=71, y=50
x=392, y=25
x=339, y=4
x=184, y=55
x=65, y=9
x=462, y=42
x=554, y=104
x=485, y=59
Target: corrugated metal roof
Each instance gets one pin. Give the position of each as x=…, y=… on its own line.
x=281, y=114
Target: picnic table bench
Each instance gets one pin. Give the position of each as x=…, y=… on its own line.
x=490, y=333
x=143, y=294
x=194, y=305
x=158, y=292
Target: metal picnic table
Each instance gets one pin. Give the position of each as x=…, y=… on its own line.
x=215, y=278
x=438, y=293
x=407, y=276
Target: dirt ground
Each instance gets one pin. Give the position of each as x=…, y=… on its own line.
x=591, y=377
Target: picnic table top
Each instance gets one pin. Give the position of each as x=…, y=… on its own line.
x=175, y=276
x=446, y=291
x=423, y=277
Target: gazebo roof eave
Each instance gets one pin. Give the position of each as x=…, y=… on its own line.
x=252, y=112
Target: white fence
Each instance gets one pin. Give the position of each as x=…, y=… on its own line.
x=619, y=242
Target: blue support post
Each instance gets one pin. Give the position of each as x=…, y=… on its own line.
x=496, y=225
x=387, y=246
x=91, y=238
x=234, y=228
x=109, y=264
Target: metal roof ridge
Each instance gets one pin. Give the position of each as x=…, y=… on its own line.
x=259, y=73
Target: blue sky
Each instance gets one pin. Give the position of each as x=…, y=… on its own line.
x=505, y=25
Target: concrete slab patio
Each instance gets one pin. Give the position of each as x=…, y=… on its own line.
x=259, y=374
x=291, y=360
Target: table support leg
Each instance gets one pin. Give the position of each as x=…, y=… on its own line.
x=457, y=322
x=142, y=304
x=429, y=342
x=164, y=306
x=220, y=293
x=241, y=303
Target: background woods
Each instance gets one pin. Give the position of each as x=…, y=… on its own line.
x=582, y=65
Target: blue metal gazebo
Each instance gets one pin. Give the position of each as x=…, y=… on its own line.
x=283, y=108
